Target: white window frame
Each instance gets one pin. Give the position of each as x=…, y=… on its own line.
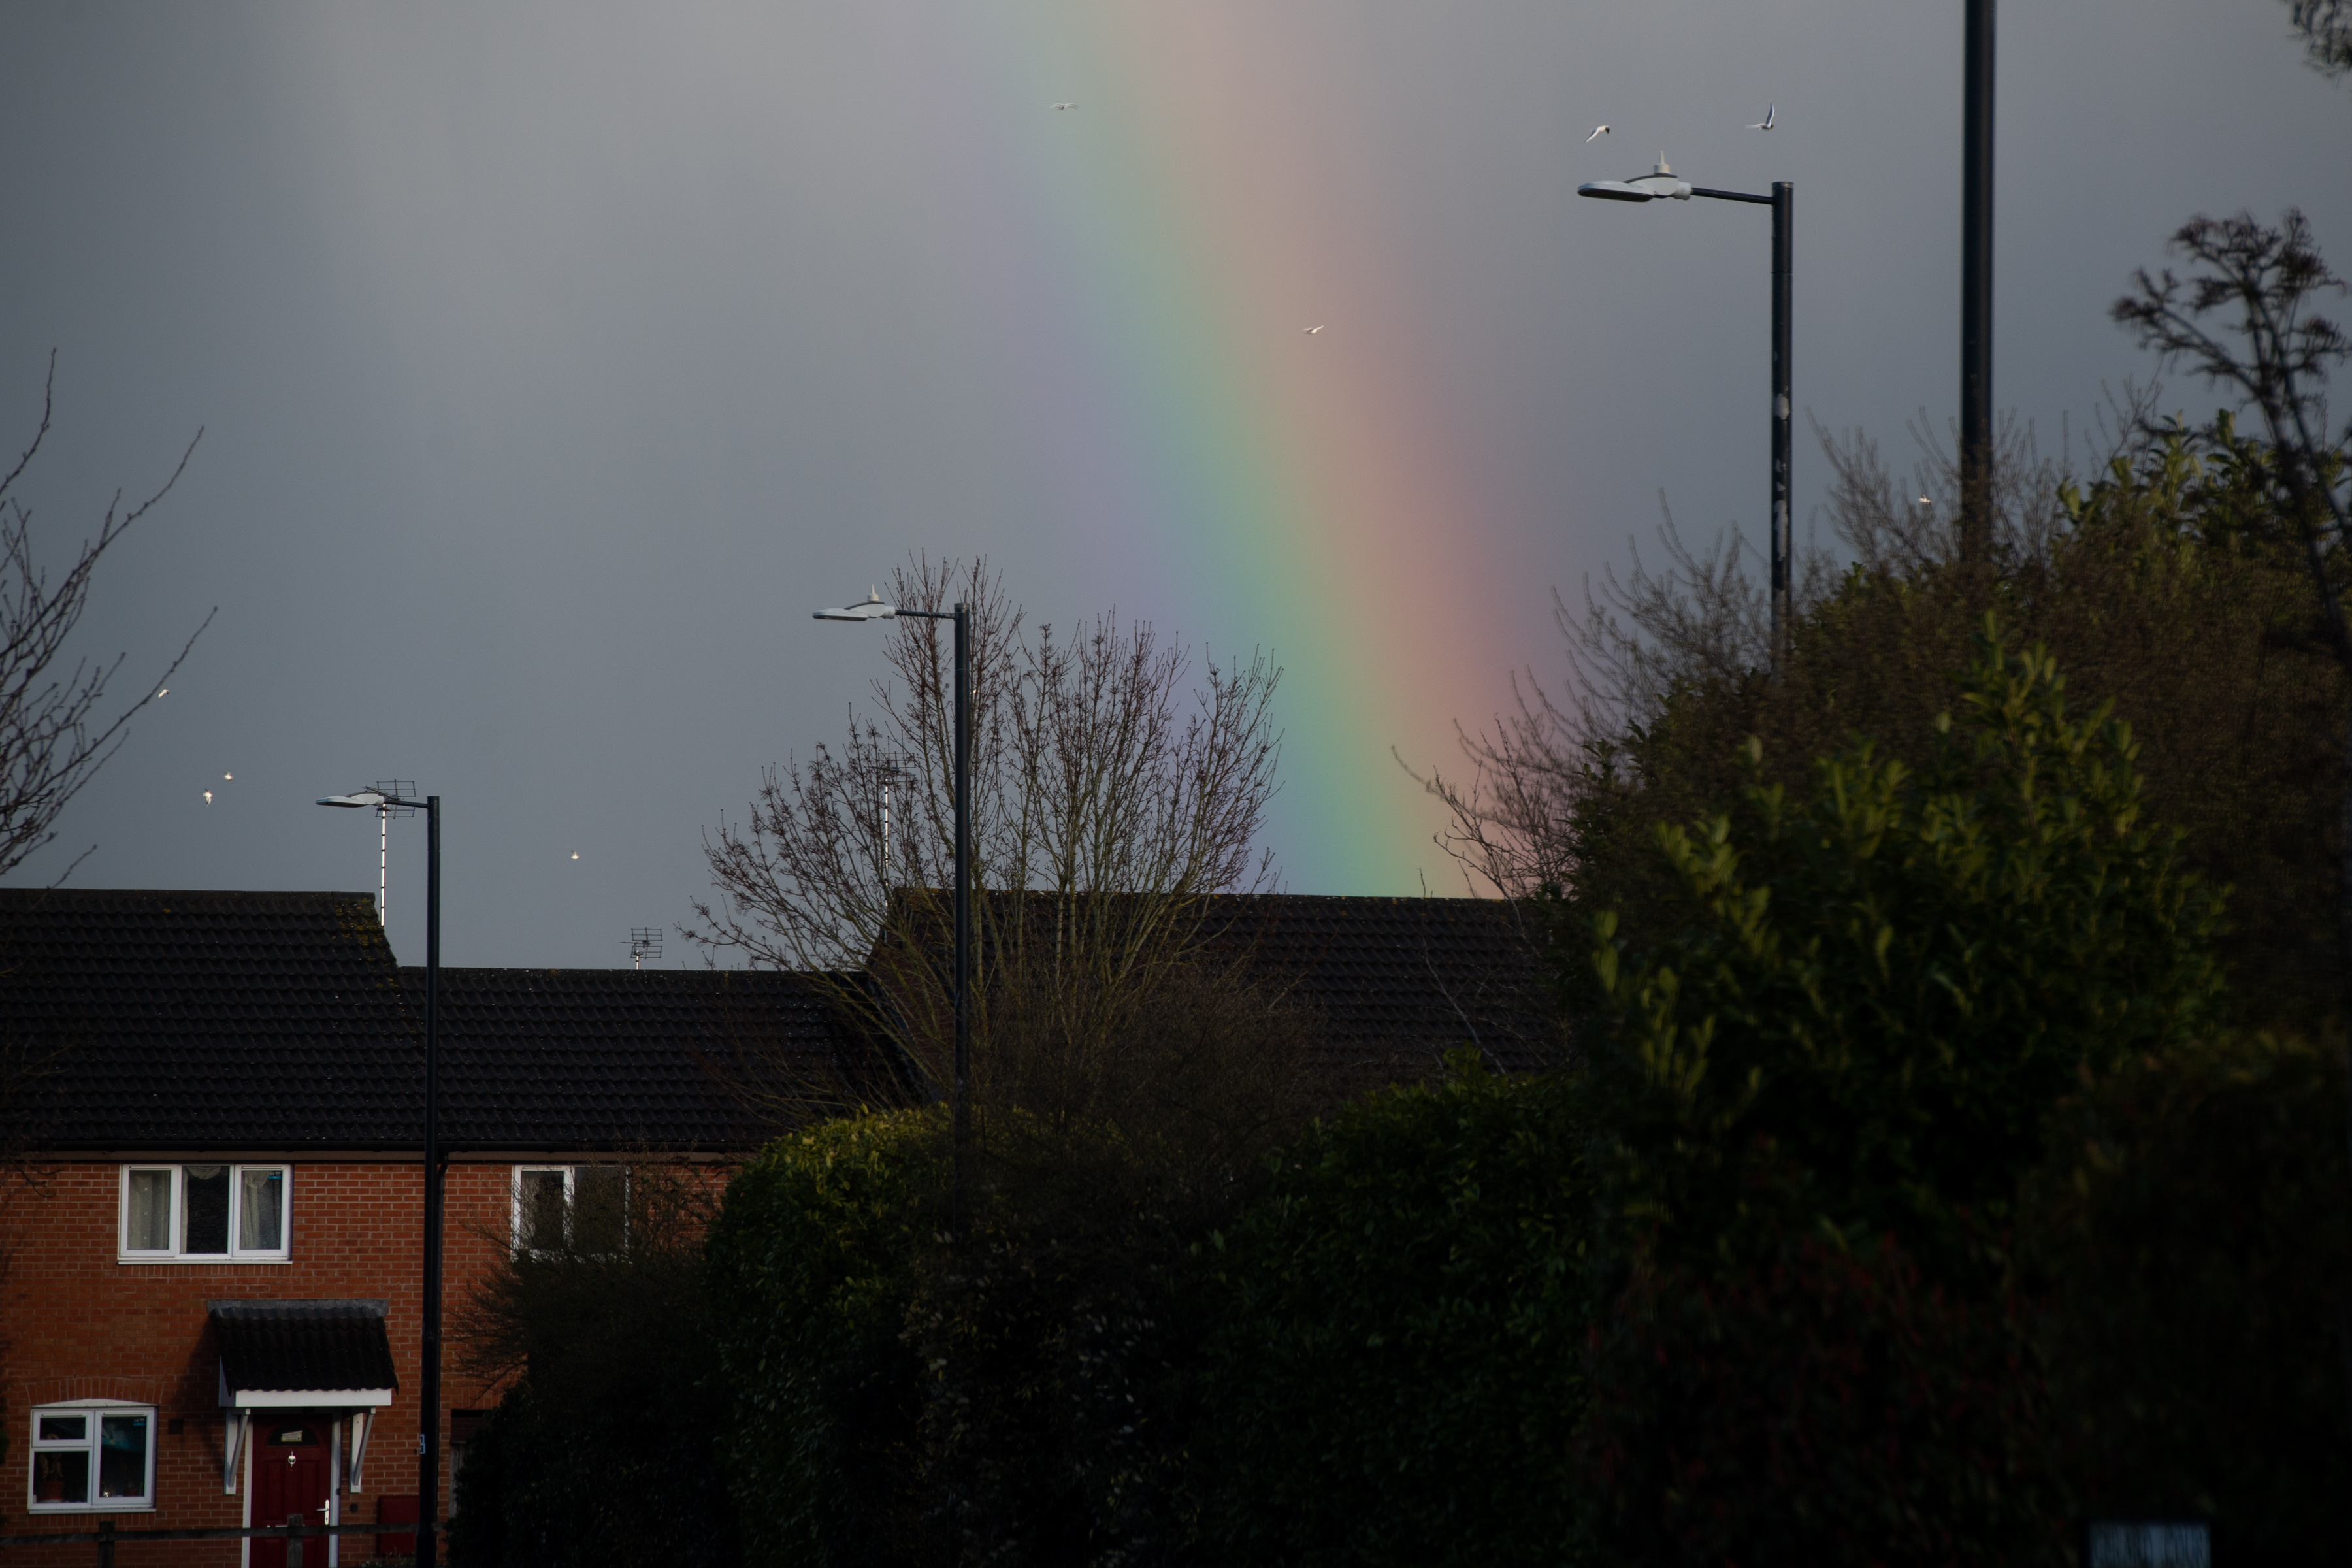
x=570, y=1196
x=93, y=1409
x=175, y=1227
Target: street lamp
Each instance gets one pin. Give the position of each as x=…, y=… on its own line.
x=873, y=609
x=1661, y=185
x=429, y=1442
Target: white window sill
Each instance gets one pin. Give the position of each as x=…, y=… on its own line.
x=165, y=1260
x=85, y=1509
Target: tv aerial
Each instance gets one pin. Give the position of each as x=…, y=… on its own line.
x=394, y=789
x=645, y=941
x=894, y=773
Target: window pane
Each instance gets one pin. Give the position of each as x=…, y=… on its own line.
x=599, y=1212
x=62, y=1478
x=261, y=1211
x=122, y=1455
x=542, y=1209
x=62, y=1429
x=205, y=1197
x=147, y=1227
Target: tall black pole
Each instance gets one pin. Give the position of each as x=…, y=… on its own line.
x=1784, y=218
x=962, y=914
x=1975, y=291
x=1783, y=202
x=428, y=1483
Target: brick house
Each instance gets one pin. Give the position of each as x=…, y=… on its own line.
x=209, y=1310
x=209, y=1315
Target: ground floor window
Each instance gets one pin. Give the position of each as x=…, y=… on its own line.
x=94, y=1456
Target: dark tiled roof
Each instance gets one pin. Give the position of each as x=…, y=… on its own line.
x=222, y=1021
x=207, y=1019
x=281, y=1022
x=619, y=1058
x=1394, y=984
x=1399, y=982
x=290, y=1347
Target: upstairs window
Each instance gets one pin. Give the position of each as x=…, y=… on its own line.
x=577, y=1208
x=204, y=1213
x=91, y=1457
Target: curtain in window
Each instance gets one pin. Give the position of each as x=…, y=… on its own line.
x=542, y=1209
x=147, y=1226
x=261, y=1212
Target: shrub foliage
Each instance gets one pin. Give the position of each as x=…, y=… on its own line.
x=1396, y=1370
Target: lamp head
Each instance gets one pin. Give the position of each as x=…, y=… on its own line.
x=1659, y=183
x=357, y=799
x=871, y=609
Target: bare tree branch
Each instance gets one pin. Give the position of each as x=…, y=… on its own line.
x=1702, y=620
x=52, y=742
x=1111, y=789
x=2326, y=26
x=2276, y=353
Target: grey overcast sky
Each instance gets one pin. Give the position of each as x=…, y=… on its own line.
x=555, y=359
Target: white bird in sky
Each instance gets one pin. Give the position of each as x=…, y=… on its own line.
x=1766, y=124
x=228, y=776
x=1312, y=330
x=208, y=797
x=1066, y=106
x=165, y=693
x=576, y=854
x=1598, y=131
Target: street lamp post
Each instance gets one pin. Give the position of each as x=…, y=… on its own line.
x=1661, y=185
x=428, y=1440
x=1976, y=287
x=873, y=608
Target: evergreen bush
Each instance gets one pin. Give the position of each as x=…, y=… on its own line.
x=812, y=1269
x=1397, y=1368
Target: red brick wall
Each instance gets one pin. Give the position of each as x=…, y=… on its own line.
x=74, y=1324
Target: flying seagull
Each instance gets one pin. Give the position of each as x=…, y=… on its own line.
x=208, y=797
x=1312, y=330
x=1766, y=124
x=1066, y=106
x=1597, y=132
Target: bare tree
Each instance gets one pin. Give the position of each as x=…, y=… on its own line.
x=2275, y=353
x=1113, y=794
x=2326, y=26
x=1702, y=620
x=52, y=737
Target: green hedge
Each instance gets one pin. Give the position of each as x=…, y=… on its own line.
x=1397, y=1373
x=2192, y=1232
x=584, y=1483
x=811, y=1264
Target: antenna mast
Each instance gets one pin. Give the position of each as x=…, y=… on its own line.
x=645, y=941
x=891, y=772
x=399, y=789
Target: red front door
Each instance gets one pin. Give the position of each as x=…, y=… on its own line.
x=290, y=1478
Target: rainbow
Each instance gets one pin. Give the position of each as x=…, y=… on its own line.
x=1203, y=210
